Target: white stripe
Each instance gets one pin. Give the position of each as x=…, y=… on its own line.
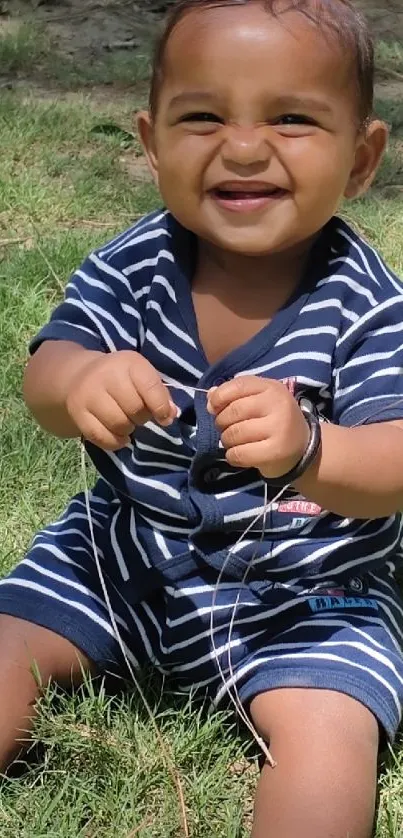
x=387, y=372
x=354, y=243
x=369, y=359
x=161, y=511
x=161, y=543
x=91, y=316
x=332, y=302
x=142, y=224
x=241, y=672
x=157, y=464
x=159, y=526
x=144, y=447
x=145, y=481
x=169, y=324
x=156, y=429
x=173, y=355
x=351, y=283
x=111, y=319
x=258, y=484
x=370, y=315
x=116, y=548
x=347, y=260
x=324, y=357
x=136, y=540
x=78, y=606
x=315, y=330
x=148, y=263
x=57, y=553
x=72, y=584
x=162, y=280
x=149, y=235
x=369, y=401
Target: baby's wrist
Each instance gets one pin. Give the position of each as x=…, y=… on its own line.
x=309, y=455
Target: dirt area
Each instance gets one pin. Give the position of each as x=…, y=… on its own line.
x=86, y=32
x=385, y=16
x=88, y=28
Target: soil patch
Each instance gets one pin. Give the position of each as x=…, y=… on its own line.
x=89, y=28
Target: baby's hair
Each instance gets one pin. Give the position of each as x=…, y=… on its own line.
x=335, y=17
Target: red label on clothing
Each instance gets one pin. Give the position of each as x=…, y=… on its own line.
x=300, y=507
x=291, y=384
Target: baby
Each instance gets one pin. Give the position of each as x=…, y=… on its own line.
x=242, y=345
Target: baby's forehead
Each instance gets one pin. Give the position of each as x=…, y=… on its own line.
x=226, y=46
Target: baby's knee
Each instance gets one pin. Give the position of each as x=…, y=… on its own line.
x=313, y=720
x=30, y=651
x=326, y=745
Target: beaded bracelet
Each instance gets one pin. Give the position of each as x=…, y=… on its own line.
x=309, y=456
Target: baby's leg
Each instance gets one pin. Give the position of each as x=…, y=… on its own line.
x=24, y=648
x=326, y=747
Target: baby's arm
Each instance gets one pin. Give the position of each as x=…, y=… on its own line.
x=47, y=380
x=360, y=471
x=74, y=391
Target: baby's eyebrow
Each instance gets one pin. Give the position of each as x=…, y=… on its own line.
x=310, y=103
x=190, y=96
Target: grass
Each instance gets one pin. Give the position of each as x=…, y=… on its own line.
x=389, y=59
x=27, y=50
x=64, y=189
x=102, y=774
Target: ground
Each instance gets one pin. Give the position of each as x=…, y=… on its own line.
x=68, y=183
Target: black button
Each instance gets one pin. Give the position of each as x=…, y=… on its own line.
x=219, y=381
x=211, y=474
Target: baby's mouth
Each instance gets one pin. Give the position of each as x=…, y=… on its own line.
x=246, y=196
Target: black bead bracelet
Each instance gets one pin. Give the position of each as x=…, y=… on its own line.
x=311, y=451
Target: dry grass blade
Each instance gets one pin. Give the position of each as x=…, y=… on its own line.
x=7, y=242
x=146, y=822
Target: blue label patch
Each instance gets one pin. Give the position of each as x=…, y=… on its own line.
x=336, y=603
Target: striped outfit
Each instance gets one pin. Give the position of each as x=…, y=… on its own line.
x=319, y=606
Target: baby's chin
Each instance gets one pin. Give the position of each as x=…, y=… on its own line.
x=249, y=244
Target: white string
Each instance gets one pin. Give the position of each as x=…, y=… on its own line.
x=169, y=761
x=234, y=697
x=267, y=507
x=186, y=387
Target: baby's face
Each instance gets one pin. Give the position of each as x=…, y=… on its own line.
x=255, y=136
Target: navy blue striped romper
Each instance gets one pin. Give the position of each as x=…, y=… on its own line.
x=320, y=606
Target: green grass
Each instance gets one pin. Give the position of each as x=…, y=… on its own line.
x=26, y=50
x=22, y=47
x=104, y=775
x=63, y=190
x=389, y=58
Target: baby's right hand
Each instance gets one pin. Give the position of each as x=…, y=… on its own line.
x=115, y=392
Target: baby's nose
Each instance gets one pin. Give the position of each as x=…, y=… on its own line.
x=246, y=146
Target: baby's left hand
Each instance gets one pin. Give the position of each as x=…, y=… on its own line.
x=261, y=424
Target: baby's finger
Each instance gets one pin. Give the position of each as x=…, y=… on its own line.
x=245, y=385
x=112, y=416
x=250, y=455
x=154, y=394
x=248, y=408
x=242, y=433
x=94, y=431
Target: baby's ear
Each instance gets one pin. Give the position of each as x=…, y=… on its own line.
x=371, y=146
x=145, y=129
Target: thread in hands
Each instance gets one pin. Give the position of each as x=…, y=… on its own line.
x=231, y=687
x=164, y=750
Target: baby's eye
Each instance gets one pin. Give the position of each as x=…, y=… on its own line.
x=200, y=116
x=294, y=119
